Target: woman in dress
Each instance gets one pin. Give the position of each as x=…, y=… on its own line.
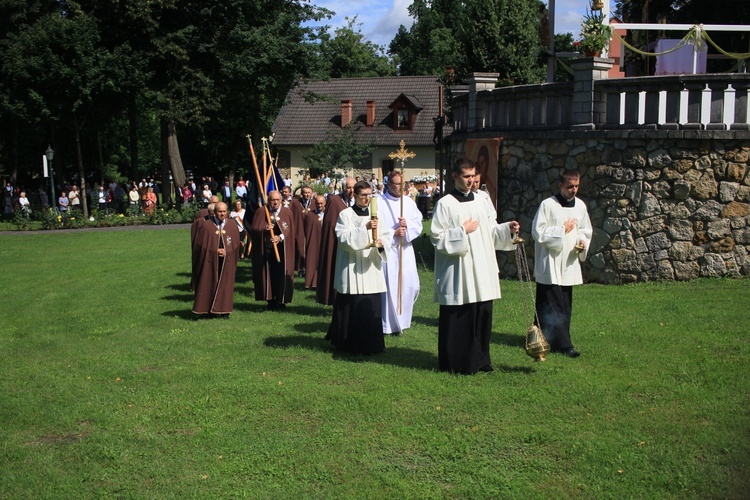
x=150, y=201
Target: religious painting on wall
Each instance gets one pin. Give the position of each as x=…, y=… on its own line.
x=484, y=154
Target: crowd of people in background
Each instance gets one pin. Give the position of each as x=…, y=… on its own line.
x=143, y=197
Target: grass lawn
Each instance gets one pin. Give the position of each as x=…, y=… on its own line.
x=108, y=388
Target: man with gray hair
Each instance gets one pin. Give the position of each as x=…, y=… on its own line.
x=325, y=293
x=216, y=251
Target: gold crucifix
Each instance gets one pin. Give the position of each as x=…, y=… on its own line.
x=402, y=154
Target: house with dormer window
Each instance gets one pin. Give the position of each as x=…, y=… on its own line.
x=380, y=112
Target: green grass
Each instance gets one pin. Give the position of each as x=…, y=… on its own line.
x=108, y=388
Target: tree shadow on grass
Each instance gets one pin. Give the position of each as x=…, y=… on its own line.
x=251, y=307
x=180, y=297
x=245, y=291
x=314, y=327
x=315, y=311
x=406, y=357
x=317, y=343
x=186, y=314
x=509, y=339
x=244, y=274
x=424, y=320
x=181, y=287
x=397, y=356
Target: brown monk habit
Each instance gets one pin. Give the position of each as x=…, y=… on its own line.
x=312, y=227
x=273, y=281
x=199, y=218
x=213, y=276
x=325, y=294
x=298, y=213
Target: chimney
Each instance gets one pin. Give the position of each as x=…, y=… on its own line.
x=370, y=113
x=346, y=112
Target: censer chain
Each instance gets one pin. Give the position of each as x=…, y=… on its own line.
x=524, y=277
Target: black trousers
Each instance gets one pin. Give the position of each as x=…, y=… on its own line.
x=554, y=304
x=464, y=337
x=357, y=323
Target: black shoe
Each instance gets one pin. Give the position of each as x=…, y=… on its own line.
x=571, y=353
x=487, y=368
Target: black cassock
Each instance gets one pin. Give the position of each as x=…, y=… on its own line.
x=464, y=333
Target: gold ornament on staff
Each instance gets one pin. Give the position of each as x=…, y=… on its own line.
x=402, y=155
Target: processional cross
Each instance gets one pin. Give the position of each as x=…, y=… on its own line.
x=402, y=155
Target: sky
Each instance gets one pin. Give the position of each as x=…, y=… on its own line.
x=380, y=19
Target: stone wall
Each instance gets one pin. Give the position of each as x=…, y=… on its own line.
x=664, y=205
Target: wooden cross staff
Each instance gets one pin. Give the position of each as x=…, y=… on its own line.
x=401, y=155
x=262, y=189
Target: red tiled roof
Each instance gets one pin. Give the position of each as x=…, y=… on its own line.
x=301, y=122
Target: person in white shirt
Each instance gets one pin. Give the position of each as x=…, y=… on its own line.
x=466, y=236
x=401, y=266
x=23, y=203
x=356, y=324
x=562, y=234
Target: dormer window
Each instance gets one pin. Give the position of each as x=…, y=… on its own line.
x=405, y=109
x=403, y=119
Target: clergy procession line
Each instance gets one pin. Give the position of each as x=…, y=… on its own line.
x=356, y=251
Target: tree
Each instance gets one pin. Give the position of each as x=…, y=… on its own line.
x=563, y=43
x=69, y=78
x=256, y=54
x=503, y=36
x=473, y=35
x=348, y=54
x=120, y=78
x=431, y=43
x=336, y=153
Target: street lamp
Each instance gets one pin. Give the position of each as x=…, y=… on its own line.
x=50, y=154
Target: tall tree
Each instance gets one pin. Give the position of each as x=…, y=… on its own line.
x=431, y=43
x=503, y=36
x=349, y=54
x=69, y=78
x=256, y=51
x=471, y=35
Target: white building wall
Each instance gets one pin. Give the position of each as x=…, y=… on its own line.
x=423, y=162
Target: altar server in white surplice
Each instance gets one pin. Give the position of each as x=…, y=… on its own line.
x=356, y=323
x=466, y=273
x=404, y=230
x=562, y=234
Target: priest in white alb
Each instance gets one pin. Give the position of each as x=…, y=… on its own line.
x=401, y=266
x=466, y=273
x=562, y=234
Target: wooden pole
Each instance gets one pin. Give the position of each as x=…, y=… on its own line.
x=401, y=246
x=262, y=190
